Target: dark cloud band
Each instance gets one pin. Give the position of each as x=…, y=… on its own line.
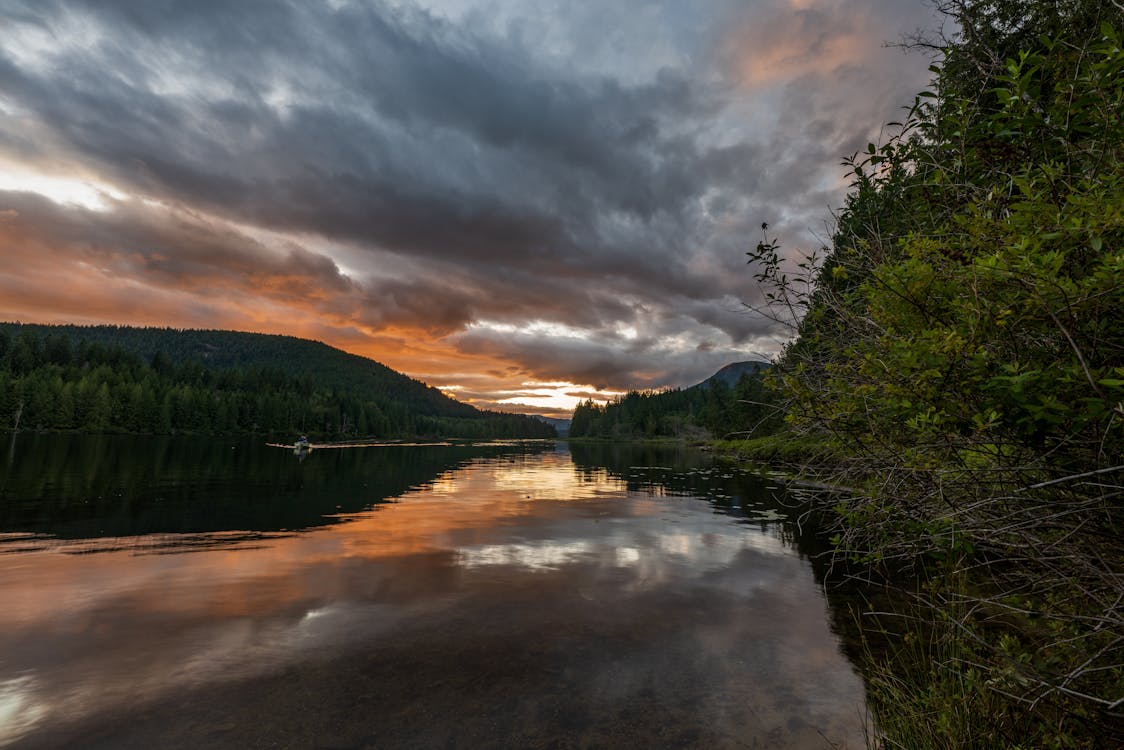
x=384, y=166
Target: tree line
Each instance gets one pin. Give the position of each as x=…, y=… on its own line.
x=53, y=383
x=712, y=408
x=224, y=350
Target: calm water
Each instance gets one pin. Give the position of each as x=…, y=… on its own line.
x=187, y=593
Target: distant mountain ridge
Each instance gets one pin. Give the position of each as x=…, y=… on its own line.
x=354, y=395
x=559, y=424
x=733, y=401
x=732, y=373
x=221, y=349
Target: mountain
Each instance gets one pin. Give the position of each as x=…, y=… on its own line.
x=241, y=381
x=561, y=425
x=228, y=350
x=733, y=401
x=732, y=373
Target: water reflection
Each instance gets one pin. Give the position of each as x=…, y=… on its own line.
x=521, y=597
x=76, y=486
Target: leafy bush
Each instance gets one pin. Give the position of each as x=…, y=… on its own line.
x=963, y=346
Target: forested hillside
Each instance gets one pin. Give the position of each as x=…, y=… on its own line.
x=733, y=372
x=963, y=352
x=110, y=378
x=711, y=408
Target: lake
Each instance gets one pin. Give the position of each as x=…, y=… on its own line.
x=172, y=592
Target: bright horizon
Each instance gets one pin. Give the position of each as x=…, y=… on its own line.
x=520, y=204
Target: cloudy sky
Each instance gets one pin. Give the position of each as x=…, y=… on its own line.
x=520, y=201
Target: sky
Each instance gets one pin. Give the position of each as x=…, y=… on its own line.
x=522, y=202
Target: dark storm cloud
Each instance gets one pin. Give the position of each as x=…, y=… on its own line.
x=597, y=362
x=398, y=125
x=435, y=171
x=178, y=250
x=174, y=250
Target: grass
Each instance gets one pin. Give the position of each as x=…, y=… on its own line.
x=779, y=448
x=935, y=680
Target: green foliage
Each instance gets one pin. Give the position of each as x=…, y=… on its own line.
x=711, y=408
x=932, y=689
x=778, y=449
x=211, y=382
x=990, y=312
x=227, y=350
x=964, y=350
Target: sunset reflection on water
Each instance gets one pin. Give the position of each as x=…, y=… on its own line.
x=598, y=602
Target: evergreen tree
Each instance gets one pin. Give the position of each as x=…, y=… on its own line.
x=68, y=377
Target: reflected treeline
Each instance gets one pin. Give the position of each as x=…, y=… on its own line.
x=678, y=469
x=82, y=486
x=681, y=470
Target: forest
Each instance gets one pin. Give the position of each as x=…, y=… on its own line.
x=710, y=409
x=164, y=381
x=959, y=348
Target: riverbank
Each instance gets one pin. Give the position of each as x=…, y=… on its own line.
x=957, y=645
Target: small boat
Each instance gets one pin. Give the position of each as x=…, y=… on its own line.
x=302, y=444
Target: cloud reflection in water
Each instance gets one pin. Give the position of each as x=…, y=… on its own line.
x=576, y=591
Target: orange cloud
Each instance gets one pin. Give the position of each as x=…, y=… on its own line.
x=476, y=215
x=68, y=265
x=787, y=40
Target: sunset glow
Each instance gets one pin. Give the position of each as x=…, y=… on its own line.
x=522, y=219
